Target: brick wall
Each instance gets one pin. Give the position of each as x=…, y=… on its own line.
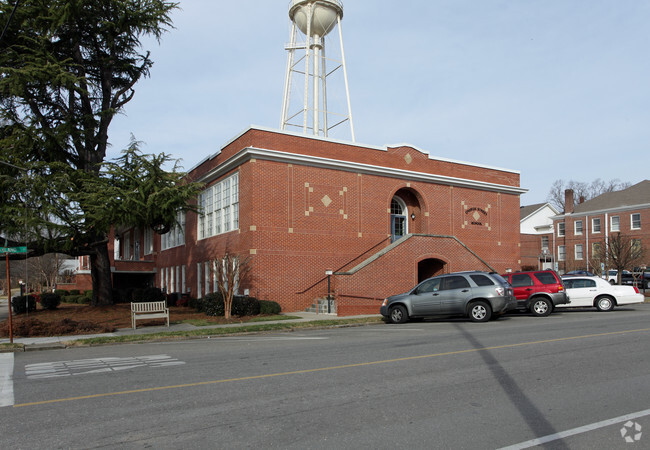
x=298, y=219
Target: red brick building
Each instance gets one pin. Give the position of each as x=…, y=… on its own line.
x=380, y=219
x=536, y=226
x=581, y=229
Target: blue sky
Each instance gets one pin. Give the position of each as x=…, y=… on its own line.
x=556, y=89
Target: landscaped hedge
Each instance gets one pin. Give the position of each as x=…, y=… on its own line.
x=80, y=299
x=61, y=292
x=213, y=305
x=23, y=304
x=269, y=307
x=50, y=301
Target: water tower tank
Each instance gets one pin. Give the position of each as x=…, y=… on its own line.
x=324, y=15
x=314, y=19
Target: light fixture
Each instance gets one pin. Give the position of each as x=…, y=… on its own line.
x=412, y=216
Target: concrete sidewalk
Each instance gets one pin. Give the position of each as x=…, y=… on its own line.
x=43, y=343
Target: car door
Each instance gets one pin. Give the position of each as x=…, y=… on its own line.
x=425, y=298
x=455, y=290
x=522, y=286
x=581, y=291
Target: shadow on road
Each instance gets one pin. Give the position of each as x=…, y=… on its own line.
x=530, y=413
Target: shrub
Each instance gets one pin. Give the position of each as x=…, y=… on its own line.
x=75, y=292
x=183, y=301
x=245, y=306
x=88, y=295
x=212, y=304
x=150, y=294
x=269, y=307
x=50, y=301
x=196, y=303
x=23, y=304
x=61, y=292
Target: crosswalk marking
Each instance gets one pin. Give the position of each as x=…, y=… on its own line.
x=96, y=365
x=6, y=380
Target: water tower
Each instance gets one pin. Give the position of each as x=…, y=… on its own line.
x=308, y=72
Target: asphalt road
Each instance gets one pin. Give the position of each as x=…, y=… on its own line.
x=573, y=380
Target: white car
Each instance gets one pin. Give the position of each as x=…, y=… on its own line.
x=596, y=292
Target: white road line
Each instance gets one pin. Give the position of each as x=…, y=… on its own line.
x=579, y=430
x=6, y=379
x=97, y=365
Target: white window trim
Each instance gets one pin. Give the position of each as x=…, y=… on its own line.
x=223, y=212
x=632, y=221
x=600, y=224
x=611, y=224
x=575, y=228
x=561, y=256
x=582, y=250
x=563, y=229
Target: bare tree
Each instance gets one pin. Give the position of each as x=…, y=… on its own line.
x=582, y=190
x=230, y=271
x=622, y=253
x=45, y=269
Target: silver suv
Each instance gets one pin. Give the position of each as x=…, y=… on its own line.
x=477, y=295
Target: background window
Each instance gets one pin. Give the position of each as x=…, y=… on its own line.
x=560, y=229
x=595, y=225
x=579, y=251
x=578, y=226
x=635, y=220
x=616, y=223
x=561, y=253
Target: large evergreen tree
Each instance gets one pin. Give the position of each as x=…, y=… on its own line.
x=66, y=68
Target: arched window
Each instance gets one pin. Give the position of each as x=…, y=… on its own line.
x=398, y=222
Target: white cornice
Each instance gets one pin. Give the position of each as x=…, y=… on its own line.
x=348, y=166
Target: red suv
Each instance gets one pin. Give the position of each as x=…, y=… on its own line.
x=537, y=291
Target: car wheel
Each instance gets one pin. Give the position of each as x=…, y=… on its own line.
x=605, y=303
x=480, y=312
x=612, y=282
x=398, y=314
x=541, y=307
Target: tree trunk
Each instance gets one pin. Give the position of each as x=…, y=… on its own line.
x=100, y=270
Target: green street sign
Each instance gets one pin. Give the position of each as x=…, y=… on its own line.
x=13, y=249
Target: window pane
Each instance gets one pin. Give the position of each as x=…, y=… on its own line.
x=545, y=278
x=522, y=279
x=481, y=280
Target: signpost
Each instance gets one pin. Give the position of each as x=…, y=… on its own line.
x=7, y=251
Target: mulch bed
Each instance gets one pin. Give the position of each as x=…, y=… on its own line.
x=72, y=319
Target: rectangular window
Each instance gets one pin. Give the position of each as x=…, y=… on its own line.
x=176, y=236
x=561, y=253
x=635, y=221
x=636, y=248
x=595, y=250
x=615, y=223
x=544, y=242
x=560, y=229
x=579, y=252
x=595, y=225
x=148, y=241
x=577, y=227
x=199, y=280
x=222, y=211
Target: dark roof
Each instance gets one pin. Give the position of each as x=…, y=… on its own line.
x=525, y=211
x=639, y=194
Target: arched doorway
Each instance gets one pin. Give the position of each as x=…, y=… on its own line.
x=430, y=267
x=406, y=213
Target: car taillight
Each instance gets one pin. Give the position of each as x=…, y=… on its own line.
x=560, y=288
x=500, y=291
x=636, y=289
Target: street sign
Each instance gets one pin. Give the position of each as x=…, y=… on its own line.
x=13, y=249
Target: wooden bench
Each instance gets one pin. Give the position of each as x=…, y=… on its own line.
x=149, y=310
